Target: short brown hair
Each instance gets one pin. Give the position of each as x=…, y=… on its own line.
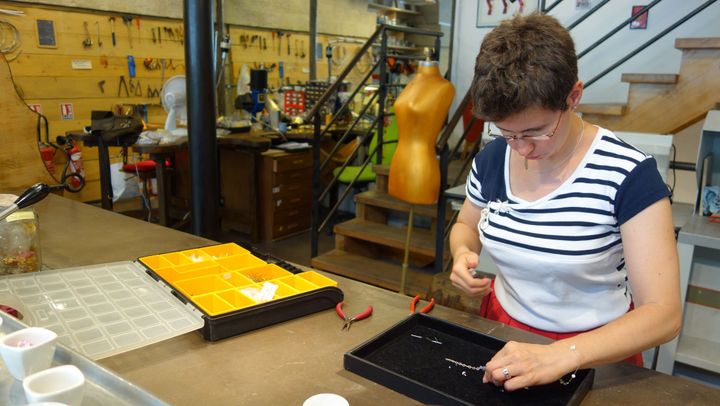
x=525, y=62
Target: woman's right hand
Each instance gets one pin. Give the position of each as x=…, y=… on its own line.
x=461, y=276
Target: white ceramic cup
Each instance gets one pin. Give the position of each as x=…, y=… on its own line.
x=326, y=399
x=28, y=350
x=65, y=384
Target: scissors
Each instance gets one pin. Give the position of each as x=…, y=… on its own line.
x=349, y=320
x=425, y=309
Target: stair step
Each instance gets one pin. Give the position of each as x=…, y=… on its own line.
x=384, y=200
x=372, y=271
x=382, y=170
x=607, y=109
x=422, y=241
x=697, y=43
x=382, y=173
x=658, y=78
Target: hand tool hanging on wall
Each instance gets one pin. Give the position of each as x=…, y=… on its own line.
x=112, y=29
x=97, y=27
x=280, y=35
x=288, y=43
x=159, y=36
x=153, y=34
x=123, y=85
x=152, y=92
x=87, y=43
x=101, y=85
x=131, y=66
x=137, y=23
x=135, y=88
x=128, y=21
x=296, y=48
x=180, y=35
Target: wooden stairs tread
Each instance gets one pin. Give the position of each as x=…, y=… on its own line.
x=372, y=271
x=382, y=169
x=422, y=241
x=650, y=78
x=384, y=200
x=610, y=109
x=697, y=43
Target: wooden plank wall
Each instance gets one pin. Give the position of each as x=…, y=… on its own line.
x=45, y=76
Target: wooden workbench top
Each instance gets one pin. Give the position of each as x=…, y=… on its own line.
x=288, y=362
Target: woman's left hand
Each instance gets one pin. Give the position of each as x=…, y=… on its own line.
x=520, y=365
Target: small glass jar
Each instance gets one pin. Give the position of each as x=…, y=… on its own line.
x=20, y=243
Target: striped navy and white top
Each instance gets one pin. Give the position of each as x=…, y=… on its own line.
x=560, y=257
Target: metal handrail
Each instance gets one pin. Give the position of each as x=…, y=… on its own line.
x=546, y=10
x=381, y=94
x=351, y=65
x=347, y=190
x=364, y=139
x=588, y=14
x=345, y=105
x=447, y=131
x=616, y=29
x=649, y=42
x=343, y=138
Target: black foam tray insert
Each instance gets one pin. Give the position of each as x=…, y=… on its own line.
x=417, y=367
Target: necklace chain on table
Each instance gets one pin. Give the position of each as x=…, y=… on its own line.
x=460, y=364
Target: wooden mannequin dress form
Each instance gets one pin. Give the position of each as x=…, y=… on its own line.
x=420, y=111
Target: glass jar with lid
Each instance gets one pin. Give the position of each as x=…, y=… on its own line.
x=20, y=243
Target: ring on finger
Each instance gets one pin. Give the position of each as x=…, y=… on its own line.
x=506, y=373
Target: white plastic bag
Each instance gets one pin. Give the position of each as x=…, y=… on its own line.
x=124, y=185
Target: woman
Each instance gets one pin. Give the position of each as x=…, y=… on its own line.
x=577, y=221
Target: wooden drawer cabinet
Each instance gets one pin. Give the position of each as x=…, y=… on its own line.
x=285, y=193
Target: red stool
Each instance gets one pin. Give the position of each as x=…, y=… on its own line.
x=145, y=170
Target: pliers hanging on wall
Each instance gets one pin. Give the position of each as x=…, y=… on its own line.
x=123, y=85
x=350, y=320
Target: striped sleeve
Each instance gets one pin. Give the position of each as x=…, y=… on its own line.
x=486, y=180
x=642, y=188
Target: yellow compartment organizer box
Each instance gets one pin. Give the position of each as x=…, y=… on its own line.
x=237, y=290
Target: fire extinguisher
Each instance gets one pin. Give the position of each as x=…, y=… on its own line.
x=75, y=167
x=48, y=156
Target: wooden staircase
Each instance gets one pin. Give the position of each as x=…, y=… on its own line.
x=666, y=103
x=369, y=248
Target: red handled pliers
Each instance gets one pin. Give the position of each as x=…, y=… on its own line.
x=425, y=309
x=349, y=320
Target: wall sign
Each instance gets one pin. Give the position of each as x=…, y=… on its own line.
x=491, y=12
x=640, y=22
x=66, y=111
x=46, y=34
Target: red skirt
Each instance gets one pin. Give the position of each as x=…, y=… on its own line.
x=491, y=309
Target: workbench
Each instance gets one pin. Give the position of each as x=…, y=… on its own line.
x=286, y=363
x=233, y=150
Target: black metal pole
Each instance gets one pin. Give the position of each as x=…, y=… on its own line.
x=313, y=39
x=316, y=186
x=441, y=204
x=200, y=87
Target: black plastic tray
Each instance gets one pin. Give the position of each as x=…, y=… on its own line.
x=417, y=367
x=261, y=315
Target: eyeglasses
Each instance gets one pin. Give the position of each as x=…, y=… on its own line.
x=530, y=136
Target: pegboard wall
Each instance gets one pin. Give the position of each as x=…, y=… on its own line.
x=82, y=71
